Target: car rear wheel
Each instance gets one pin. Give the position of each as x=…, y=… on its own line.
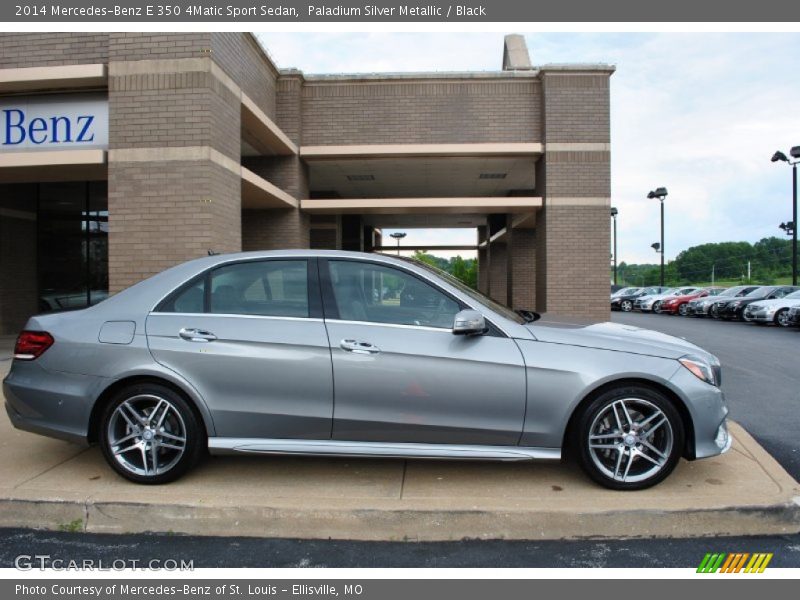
x=626, y=306
x=629, y=438
x=149, y=434
x=782, y=318
x=682, y=309
x=657, y=308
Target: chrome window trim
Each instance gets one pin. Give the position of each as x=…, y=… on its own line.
x=396, y=325
x=235, y=316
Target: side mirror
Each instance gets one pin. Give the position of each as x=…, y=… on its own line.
x=469, y=322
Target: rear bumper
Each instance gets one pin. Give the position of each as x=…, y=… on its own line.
x=50, y=403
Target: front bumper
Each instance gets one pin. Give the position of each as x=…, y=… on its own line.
x=708, y=411
x=759, y=316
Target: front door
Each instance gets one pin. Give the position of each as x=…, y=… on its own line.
x=400, y=375
x=250, y=337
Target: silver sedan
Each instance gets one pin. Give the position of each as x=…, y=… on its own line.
x=350, y=354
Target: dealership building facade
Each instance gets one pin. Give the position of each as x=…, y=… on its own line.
x=125, y=153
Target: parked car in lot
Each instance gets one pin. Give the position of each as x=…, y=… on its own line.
x=794, y=316
x=678, y=305
x=733, y=309
x=245, y=353
x=772, y=311
x=702, y=307
x=654, y=303
x=625, y=302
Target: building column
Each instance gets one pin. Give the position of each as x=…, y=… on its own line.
x=574, y=179
x=523, y=265
x=483, y=262
x=174, y=184
x=275, y=229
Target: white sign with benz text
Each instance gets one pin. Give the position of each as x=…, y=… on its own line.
x=57, y=122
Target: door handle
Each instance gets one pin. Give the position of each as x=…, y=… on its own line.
x=192, y=334
x=358, y=347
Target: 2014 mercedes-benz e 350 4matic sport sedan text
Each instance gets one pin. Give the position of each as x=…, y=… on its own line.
x=350, y=354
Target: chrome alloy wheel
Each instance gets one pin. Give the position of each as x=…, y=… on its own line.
x=783, y=318
x=146, y=435
x=630, y=440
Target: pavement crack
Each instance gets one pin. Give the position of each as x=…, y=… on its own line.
x=50, y=468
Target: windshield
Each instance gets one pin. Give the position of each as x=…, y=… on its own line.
x=474, y=294
x=793, y=295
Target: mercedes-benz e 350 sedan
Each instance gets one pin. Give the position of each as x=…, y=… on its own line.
x=349, y=354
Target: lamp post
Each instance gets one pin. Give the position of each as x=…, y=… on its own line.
x=660, y=193
x=398, y=235
x=614, y=213
x=791, y=225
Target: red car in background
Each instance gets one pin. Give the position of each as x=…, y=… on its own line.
x=676, y=305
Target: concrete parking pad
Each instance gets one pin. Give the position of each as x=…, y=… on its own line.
x=51, y=484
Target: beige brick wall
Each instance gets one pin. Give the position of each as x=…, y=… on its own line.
x=164, y=213
x=498, y=273
x=19, y=50
x=572, y=232
x=523, y=265
x=149, y=46
x=405, y=112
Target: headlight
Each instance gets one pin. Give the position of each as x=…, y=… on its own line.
x=701, y=368
x=615, y=301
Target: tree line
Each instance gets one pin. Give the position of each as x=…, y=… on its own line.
x=765, y=261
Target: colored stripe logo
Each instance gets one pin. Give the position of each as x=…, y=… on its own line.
x=739, y=562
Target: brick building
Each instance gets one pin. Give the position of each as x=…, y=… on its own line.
x=125, y=153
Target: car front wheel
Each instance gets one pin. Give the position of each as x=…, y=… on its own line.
x=149, y=434
x=782, y=318
x=629, y=438
x=626, y=306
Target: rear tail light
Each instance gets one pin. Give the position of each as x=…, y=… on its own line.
x=32, y=344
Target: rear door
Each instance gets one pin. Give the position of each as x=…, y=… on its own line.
x=250, y=337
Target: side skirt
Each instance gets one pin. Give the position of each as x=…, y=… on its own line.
x=220, y=445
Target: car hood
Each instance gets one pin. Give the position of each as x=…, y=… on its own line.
x=616, y=337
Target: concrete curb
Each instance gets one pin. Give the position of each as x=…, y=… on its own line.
x=395, y=524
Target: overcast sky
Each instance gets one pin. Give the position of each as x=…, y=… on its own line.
x=698, y=113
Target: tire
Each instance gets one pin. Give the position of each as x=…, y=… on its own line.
x=142, y=426
x=626, y=306
x=682, y=310
x=657, y=308
x=782, y=318
x=614, y=460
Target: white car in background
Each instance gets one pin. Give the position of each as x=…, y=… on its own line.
x=772, y=311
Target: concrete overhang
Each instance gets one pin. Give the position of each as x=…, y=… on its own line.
x=420, y=150
x=261, y=132
x=59, y=165
x=257, y=192
x=34, y=79
x=422, y=205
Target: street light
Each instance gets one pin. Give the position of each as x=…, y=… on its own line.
x=398, y=235
x=789, y=227
x=614, y=213
x=660, y=193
